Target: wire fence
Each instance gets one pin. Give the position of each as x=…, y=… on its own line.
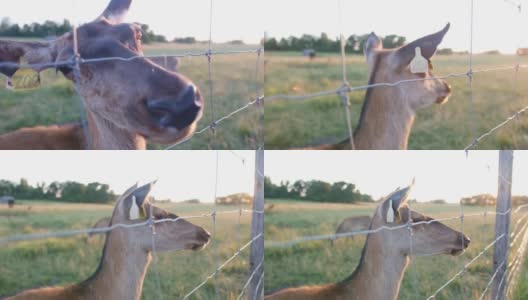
x=345, y=89
x=151, y=221
x=76, y=61
x=508, y=267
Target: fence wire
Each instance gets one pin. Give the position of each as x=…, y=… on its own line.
x=150, y=222
x=511, y=262
x=345, y=89
x=76, y=61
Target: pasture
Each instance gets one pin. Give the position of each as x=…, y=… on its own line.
x=295, y=124
x=318, y=262
x=234, y=85
x=59, y=261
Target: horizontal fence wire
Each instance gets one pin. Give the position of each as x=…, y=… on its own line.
x=67, y=233
x=76, y=61
x=71, y=62
x=284, y=244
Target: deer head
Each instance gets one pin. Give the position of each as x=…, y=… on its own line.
x=137, y=97
x=392, y=65
x=427, y=239
x=133, y=207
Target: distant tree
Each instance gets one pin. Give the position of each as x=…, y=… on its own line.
x=185, y=40
x=445, y=51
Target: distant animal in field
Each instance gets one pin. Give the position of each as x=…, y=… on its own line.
x=101, y=223
x=385, y=255
x=352, y=224
x=388, y=112
x=127, y=251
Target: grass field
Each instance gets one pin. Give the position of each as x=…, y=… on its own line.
x=59, y=261
x=319, y=262
x=234, y=85
x=304, y=123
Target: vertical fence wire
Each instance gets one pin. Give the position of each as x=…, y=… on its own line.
x=411, y=251
x=210, y=78
x=214, y=235
x=473, y=112
x=154, y=253
x=76, y=68
x=345, y=96
x=260, y=103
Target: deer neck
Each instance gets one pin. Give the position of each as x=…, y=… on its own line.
x=379, y=273
x=121, y=271
x=104, y=135
x=386, y=118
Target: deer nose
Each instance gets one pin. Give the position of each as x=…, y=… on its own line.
x=466, y=242
x=448, y=88
x=179, y=112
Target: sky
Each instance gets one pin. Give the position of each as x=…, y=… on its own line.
x=447, y=175
x=181, y=175
x=497, y=24
x=232, y=19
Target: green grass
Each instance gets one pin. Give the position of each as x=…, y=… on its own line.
x=59, y=261
x=297, y=124
x=319, y=262
x=234, y=85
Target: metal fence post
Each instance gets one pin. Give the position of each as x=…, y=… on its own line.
x=502, y=222
x=257, y=227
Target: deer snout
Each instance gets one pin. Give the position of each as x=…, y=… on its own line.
x=466, y=242
x=444, y=94
x=202, y=239
x=178, y=112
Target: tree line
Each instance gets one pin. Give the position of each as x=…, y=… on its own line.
x=323, y=43
x=49, y=29
x=52, y=29
x=69, y=191
x=315, y=190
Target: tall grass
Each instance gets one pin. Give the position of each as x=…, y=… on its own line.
x=60, y=261
x=294, y=124
x=318, y=262
x=234, y=85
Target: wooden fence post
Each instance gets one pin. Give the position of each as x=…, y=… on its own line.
x=502, y=223
x=257, y=227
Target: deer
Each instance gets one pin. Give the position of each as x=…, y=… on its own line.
x=385, y=255
x=388, y=112
x=127, y=103
x=127, y=251
x=101, y=223
x=352, y=224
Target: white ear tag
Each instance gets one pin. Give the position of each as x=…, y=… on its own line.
x=390, y=213
x=419, y=64
x=134, y=210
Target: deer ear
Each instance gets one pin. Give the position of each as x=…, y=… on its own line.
x=393, y=202
x=372, y=44
x=131, y=204
x=116, y=11
x=427, y=44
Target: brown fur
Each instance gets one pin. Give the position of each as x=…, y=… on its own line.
x=127, y=253
x=385, y=256
x=127, y=103
x=45, y=138
x=388, y=113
